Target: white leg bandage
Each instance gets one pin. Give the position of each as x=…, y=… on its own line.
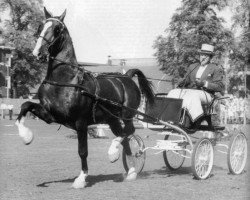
x=24, y=132
x=113, y=151
x=80, y=181
x=131, y=174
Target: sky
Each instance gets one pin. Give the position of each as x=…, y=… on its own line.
x=119, y=28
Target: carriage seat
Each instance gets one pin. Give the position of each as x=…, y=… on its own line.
x=165, y=109
x=170, y=110
x=209, y=110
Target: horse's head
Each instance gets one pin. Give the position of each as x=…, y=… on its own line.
x=50, y=32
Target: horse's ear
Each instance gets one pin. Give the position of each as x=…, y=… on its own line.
x=47, y=13
x=61, y=18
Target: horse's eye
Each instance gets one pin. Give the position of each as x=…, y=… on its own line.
x=57, y=31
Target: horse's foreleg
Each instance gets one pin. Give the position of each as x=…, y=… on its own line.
x=24, y=132
x=37, y=109
x=80, y=181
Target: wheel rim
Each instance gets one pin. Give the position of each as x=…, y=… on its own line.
x=137, y=159
x=204, y=159
x=238, y=154
x=175, y=158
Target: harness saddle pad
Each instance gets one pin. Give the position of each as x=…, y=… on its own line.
x=165, y=109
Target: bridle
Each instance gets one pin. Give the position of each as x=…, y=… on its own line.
x=50, y=43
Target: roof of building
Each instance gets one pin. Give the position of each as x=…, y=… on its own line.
x=161, y=81
x=90, y=64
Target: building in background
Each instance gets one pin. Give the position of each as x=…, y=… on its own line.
x=161, y=82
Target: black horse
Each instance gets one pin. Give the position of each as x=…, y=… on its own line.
x=74, y=97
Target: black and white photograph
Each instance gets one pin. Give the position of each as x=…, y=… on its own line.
x=124, y=99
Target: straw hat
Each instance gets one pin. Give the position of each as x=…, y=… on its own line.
x=207, y=49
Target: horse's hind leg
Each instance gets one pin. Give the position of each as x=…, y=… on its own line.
x=116, y=128
x=122, y=134
x=37, y=110
x=129, y=129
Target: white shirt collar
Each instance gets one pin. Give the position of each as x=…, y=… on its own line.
x=200, y=71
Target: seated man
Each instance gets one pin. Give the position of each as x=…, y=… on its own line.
x=201, y=81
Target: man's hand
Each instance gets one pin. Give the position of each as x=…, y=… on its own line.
x=180, y=83
x=199, y=83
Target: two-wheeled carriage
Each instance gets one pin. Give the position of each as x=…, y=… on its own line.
x=74, y=97
x=178, y=143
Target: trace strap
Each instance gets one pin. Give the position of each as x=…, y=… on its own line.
x=97, y=98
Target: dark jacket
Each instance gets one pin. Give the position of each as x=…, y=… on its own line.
x=213, y=74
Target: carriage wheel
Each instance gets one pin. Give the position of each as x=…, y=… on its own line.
x=173, y=159
x=202, y=158
x=237, y=153
x=138, y=155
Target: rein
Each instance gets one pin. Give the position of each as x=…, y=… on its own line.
x=67, y=63
x=95, y=74
x=84, y=91
x=101, y=99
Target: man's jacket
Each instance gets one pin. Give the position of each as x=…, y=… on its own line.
x=213, y=74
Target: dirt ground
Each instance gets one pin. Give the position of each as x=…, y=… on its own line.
x=46, y=170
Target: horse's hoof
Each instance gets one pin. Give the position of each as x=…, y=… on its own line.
x=132, y=175
x=80, y=181
x=114, y=156
x=28, y=138
x=25, y=133
x=79, y=184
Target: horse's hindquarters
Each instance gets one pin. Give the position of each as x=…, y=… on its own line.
x=120, y=89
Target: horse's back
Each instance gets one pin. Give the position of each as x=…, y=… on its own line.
x=119, y=88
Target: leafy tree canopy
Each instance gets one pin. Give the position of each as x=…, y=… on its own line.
x=194, y=23
x=240, y=55
x=25, y=16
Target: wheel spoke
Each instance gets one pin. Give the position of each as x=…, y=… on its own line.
x=203, y=158
x=238, y=156
x=137, y=158
x=174, y=159
x=237, y=153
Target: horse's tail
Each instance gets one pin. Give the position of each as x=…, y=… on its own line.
x=144, y=85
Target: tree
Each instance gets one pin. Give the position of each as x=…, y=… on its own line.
x=194, y=23
x=25, y=16
x=240, y=56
